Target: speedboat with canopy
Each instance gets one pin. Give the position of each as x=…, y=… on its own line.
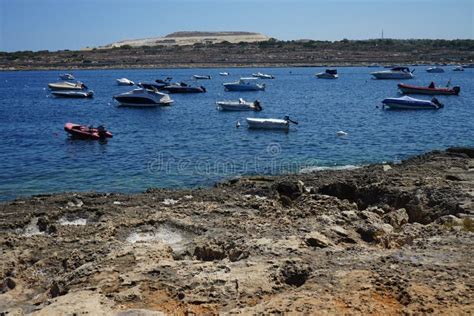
x=240, y=105
x=394, y=73
x=408, y=103
x=244, y=84
x=66, y=76
x=143, y=98
x=328, y=74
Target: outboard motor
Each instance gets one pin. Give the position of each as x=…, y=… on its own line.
x=436, y=102
x=203, y=89
x=258, y=107
x=287, y=118
x=457, y=90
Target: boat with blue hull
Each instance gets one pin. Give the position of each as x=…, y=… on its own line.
x=408, y=103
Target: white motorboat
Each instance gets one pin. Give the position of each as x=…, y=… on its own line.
x=125, y=82
x=408, y=103
x=435, y=70
x=270, y=123
x=223, y=74
x=64, y=85
x=262, y=75
x=468, y=66
x=143, y=98
x=244, y=84
x=66, y=76
x=328, y=74
x=73, y=94
x=201, y=77
x=458, y=68
x=240, y=105
x=394, y=73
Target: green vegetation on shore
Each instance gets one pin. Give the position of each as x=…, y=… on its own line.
x=269, y=53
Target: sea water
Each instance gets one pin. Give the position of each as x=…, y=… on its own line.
x=191, y=143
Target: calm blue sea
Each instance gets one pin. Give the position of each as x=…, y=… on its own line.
x=192, y=144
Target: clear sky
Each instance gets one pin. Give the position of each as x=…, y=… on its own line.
x=74, y=24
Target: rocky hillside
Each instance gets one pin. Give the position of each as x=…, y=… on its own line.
x=393, y=239
x=191, y=38
x=271, y=53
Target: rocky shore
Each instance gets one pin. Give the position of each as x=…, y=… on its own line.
x=386, y=239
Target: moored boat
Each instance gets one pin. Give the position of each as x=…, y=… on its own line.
x=262, y=75
x=430, y=90
x=66, y=76
x=201, y=77
x=240, y=105
x=73, y=94
x=458, y=68
x=244, y=84
x=328, y=74
x=64, y=85
x=143, y=98
x=152, y=85
x=270, y=123
x=223, y=74
x=183, y=88
x=394, y=73
x=125, y=82
x=468, y=66
x=408, y=103
x=435, y=70
x=84, y=132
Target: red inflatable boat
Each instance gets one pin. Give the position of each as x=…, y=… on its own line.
x=84, y=132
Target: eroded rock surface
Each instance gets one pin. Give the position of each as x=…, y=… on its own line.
x=374, y=240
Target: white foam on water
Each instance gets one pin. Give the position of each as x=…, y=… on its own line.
x=162, y=234
x=321, y=168
x=78, y=222
x=32, y=228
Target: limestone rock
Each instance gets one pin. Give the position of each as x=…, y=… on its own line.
x=316, y=239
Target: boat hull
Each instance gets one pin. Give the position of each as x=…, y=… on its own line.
x=272, y=124
x=393, y=76
x=73, y=94
x=324, y=75
x=235, y=106
x=245, y=87
x=406, y=89
x=407, y=103
x=66, y=86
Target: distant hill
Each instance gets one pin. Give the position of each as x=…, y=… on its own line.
x=191, y=38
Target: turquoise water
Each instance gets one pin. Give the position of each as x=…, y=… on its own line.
x=192, y=144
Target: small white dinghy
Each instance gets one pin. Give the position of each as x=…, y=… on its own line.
x=66, y=76
x=125, y=82
x=201, y=77
x=223, y=73
x=240, y=105
x=270, y=123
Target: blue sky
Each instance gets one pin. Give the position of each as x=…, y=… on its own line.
x=74, y=24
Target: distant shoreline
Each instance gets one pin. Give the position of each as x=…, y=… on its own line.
x=217, y=66
x=271, y=53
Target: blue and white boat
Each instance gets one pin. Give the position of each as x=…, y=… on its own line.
x=244, y=84
x=408, y=103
